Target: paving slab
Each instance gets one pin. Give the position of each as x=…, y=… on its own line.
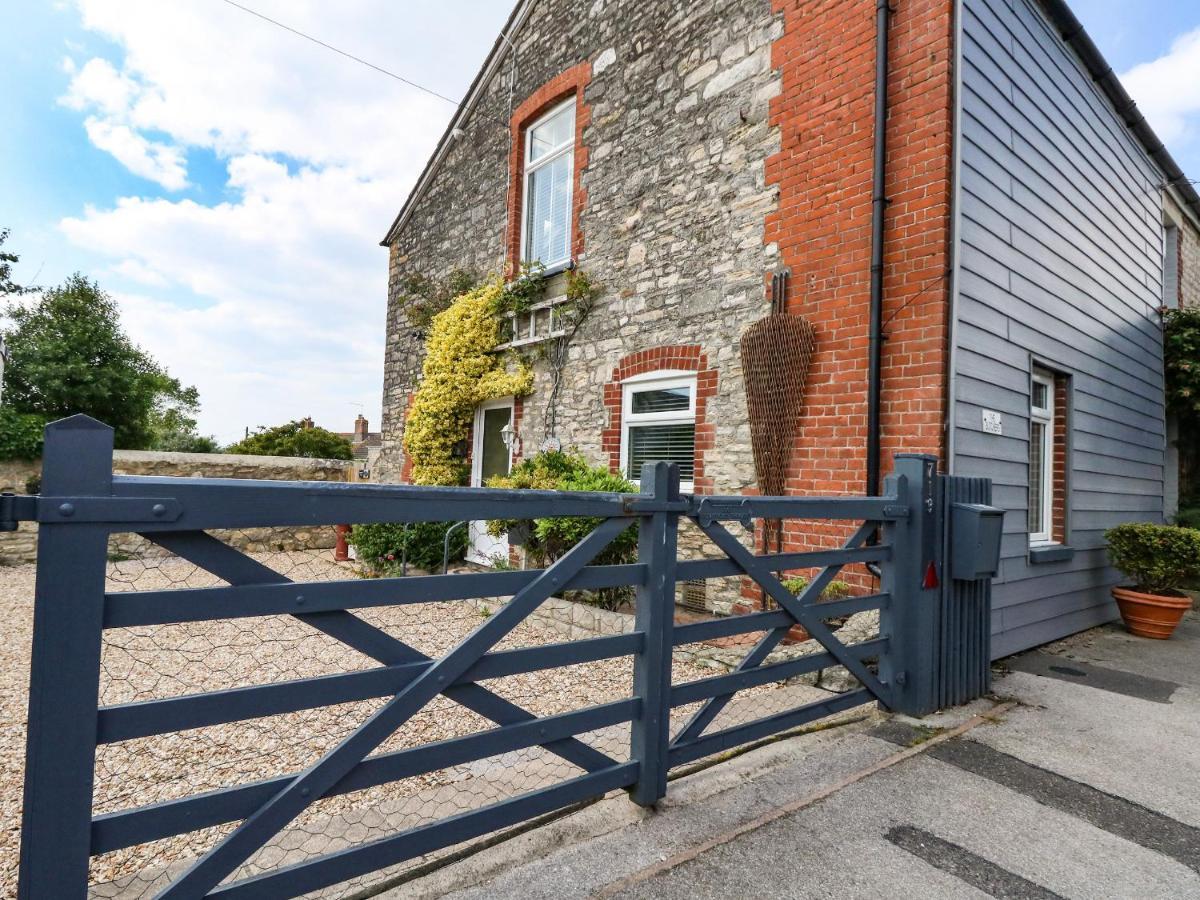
x=1083, y=784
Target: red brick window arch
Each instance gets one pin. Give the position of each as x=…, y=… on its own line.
x=647, y=413
x=540, y=111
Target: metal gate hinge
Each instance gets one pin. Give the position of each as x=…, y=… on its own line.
x=14, y=509
x=131, y=510
x=896, y=512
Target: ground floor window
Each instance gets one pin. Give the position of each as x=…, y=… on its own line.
x=659, y=423
x=1047, y=457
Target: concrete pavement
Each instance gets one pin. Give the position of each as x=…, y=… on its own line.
x=1088, y=787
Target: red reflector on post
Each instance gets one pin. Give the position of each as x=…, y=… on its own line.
x=931, y=577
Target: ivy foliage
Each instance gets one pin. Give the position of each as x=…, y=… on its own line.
x=1159, y=559
x=1181, y=347
x=528, y=288
x=383, y=548
x=461, y=370
x=300, y=438
x=423, y=297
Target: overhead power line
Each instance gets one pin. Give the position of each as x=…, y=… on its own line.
x=351, y=56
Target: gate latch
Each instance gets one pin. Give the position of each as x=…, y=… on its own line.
x=741, y=511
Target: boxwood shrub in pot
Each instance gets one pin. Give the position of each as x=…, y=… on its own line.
x=1159, y=560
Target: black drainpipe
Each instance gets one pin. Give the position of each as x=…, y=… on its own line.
x=883, y=14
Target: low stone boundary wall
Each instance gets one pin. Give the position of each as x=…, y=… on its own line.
x=20, y=546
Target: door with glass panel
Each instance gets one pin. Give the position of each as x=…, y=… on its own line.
x=491, y=456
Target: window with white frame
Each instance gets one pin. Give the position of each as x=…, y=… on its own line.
x=548, y=187
x=658, y=417
x=1041, y=458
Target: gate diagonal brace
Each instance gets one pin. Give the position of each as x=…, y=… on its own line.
x=713, y=706
x=235, y=567
x=254, y=832
x=804, y=615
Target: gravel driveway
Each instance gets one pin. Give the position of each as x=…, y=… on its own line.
x=149, y=663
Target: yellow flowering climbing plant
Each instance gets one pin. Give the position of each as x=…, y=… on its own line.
x=461, y=370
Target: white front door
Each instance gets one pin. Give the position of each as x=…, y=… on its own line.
x=489, y=457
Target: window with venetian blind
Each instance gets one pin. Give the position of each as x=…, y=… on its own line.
x=548, y=187
x=659, y=424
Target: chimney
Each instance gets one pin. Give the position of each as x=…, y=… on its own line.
x=360, y=429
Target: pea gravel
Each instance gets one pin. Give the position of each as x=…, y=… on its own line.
x=150, y=663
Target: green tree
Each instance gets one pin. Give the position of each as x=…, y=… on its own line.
x=7, y=259
x=298, y=438
x=69, y=354
x=173, y=424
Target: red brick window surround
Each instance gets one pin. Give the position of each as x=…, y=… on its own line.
x=572, y=82
x=1048, y=442
x=681, y=358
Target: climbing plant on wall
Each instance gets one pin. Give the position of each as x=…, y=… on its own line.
x=461, y=370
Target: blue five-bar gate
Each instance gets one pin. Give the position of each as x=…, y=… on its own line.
x=922, y=644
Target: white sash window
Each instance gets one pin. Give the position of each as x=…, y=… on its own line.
x=549, y=187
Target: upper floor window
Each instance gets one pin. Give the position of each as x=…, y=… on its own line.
x=548, y=189
x=659, y=424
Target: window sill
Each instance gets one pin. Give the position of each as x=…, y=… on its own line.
x=1050, y=553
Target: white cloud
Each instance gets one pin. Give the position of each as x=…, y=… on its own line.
x=153, y=161
x=1167, y=90
x=271, y=296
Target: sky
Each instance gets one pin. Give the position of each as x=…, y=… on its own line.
x=228, y=183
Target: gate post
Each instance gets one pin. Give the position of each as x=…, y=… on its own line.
x=64, y=673
x=913, y=578
x=655, y=618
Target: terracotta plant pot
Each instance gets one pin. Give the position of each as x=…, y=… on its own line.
x=1150, y=615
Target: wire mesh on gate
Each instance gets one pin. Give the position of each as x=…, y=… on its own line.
x=164, y=661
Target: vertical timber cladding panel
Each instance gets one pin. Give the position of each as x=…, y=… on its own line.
x=672, y=224
x=1061, y=263
x=823, y=232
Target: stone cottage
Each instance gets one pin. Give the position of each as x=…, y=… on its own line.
x=969, y=211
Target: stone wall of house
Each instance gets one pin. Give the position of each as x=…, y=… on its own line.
x=21, y=546
x=672, y=225
x=1188, y=262
x=675, y=199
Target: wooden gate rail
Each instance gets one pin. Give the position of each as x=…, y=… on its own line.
x=83, y=503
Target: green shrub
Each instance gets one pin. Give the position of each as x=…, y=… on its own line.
x=835, y=590
x=1159, y=559
x=21, y=434
x=298, y=438
x=550, y=539
x=381, y=548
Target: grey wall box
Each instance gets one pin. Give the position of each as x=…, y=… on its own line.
x=975, y=532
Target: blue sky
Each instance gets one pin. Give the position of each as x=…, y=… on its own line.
x=228, y=182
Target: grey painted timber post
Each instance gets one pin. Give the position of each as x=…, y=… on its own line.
x=913, y=577
x=65, y=669
x=655, y=619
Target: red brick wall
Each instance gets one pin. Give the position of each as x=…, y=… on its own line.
x=825, y=112
x=573, y=81
x=1058, y=512
x=683, y=358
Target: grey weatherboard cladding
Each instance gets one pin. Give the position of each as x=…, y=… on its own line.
x=1061, y=264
